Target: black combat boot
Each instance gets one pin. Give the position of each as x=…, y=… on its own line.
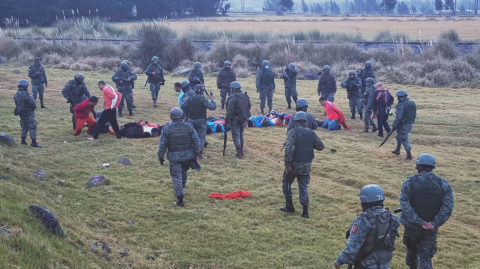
x=409, y=156
x=374, y=129
x=261, y=111
x=361, y=116
x=24, y=142
x=35, y=144
x=270, y=109
x=42, y=106
x=364, y=131
x=223, y=106
x=133, y=106
x=130, y=113
x=200, y=156
x=239, y=153
x=120, y=114
x=154, y=103
x=241, y=149
x=180, y=201
x=289, y=106
x=353, y=116
x=305, y=211
x=397, y=150
x=288, y=207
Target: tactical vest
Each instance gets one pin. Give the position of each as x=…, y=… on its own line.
x=368, y=73
x=179, y=136
x=352, y=85
x=380, y=220
x=409, y=109
x=266, y=78
x=242, y=113
x=226, y=77
x=196, y=108
x=426, y=196
x=304, y=145
x=21, y=102
x=327, y=83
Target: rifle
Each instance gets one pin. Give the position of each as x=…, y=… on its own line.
x=146, y=82
x=388, y=135
x=224, y=140
x=398, y=210
x=284, y=76
x=283, y=146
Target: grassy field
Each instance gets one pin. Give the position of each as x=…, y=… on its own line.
x=220, y=234
x=417, y=28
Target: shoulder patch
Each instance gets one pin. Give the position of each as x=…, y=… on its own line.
x=354, y=229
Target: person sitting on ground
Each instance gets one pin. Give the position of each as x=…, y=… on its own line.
x=82, y=115
x=261, y=121
x=335, y=117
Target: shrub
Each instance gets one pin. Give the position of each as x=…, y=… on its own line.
x=9, y=48
x=391, y=36
x=240, y=61
x=449, y=36
x=222, y=51
x=83, y=27
x=242, y=73
x=446, y=50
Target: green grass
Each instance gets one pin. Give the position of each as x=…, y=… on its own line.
x=220, y=234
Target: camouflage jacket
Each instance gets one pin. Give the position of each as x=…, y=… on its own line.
x=265, y=79
x=299, y=168
x=292, y=77
x=75, y=93
x=232, y=109
x=120, y=78
x=311, y=122
x=353, y=87
x=193, y=75
x=407, y=118
x=166, y=140
x=158, y=77
x=206, y=104
x=24, y=102
x=37, y=78
x=225, y=77
x=368, y=98
x=412, y=220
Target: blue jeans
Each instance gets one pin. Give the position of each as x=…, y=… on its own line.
x=382, y=121
x=331, y=125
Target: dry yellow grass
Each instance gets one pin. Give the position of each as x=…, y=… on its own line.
x=417, y=28
x=220, y=234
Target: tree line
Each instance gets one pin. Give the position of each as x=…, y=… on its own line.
x=46, y=12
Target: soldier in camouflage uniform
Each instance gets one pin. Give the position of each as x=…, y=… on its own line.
x=195, y=76
x=372, y=235
x=25, y=108
x=406, y=113
x=238, y=112
x=302, y=105
x=327, y=84
x=76, y=92
x=301, y=141
x=365, y=73
x=197, y=114
x=368, y=98
x=353, y=86
x=290, y=78
x=181, y=141
x=37, y=73
x=225, y=77
x=155, y=78
x=265, y=84
x=124, y=79
x=427, y=203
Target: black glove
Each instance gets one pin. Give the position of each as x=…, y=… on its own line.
x=161, y=161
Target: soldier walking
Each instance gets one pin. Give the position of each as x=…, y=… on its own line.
x=290, y=79
x=238, y=112
x=197, y=114
x=368, y=98
x=76, y=92
x=301, y=141
x=180, y=141
x=353, y=86
x=195, y=76
x=302, y=105
x=406, y=113
x=25, y=107
x=225, y=77
x=365, y=73
x=124, y=79
x=327, y=84
x=265, y=84
x=37, y=74
x=372, y=235
x=427, y=203
x=155, y=78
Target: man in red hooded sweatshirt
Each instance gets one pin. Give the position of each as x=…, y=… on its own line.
x=82, y=115
x=335, y=117
x=111, y=101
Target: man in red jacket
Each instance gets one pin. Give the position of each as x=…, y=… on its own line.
x=335, y=117
x=111, y=101
x=82, y=114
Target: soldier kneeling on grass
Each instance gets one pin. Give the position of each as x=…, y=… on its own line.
x=371, y=238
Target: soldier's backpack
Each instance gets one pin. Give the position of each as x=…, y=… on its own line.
x=243, y=111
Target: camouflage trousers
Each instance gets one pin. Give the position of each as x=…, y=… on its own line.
x=355, y=102
x=40, y=89
x=201, y=129
x=178, y=171
x=223, y=94
x=368, y=119
x=264, y=95
x=402, y=139
x=127, y=95
x=154, y=89
x=29, y=125
x=303, y=181
x=421, y=247
x=291, y=92
x=237, y=133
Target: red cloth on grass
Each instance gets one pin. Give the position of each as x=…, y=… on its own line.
x=232, y=195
